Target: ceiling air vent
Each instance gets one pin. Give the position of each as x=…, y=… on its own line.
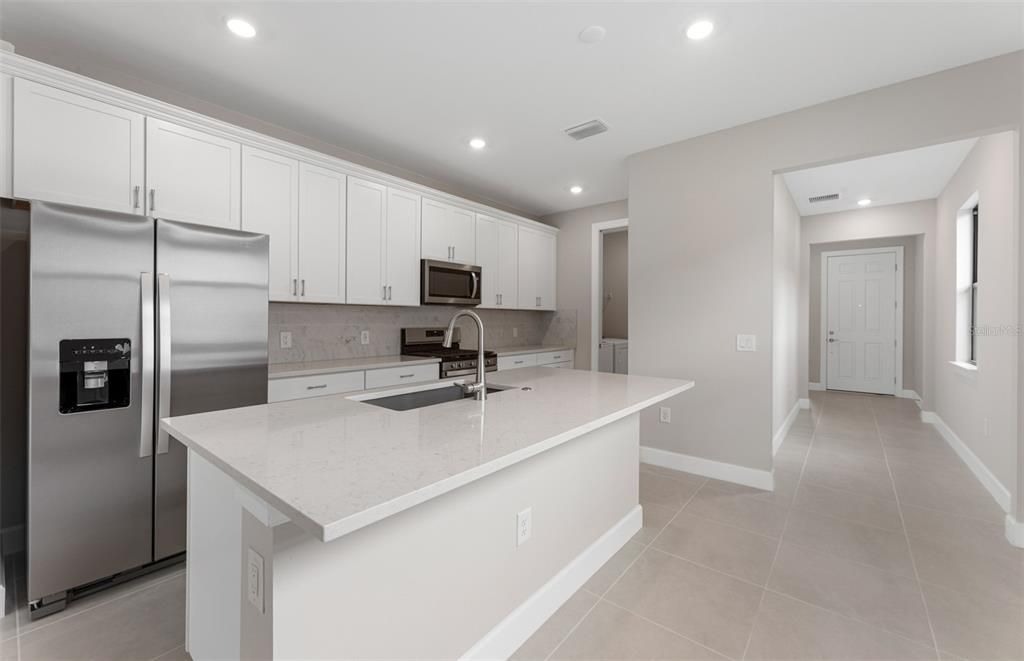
x=586, y=129
x=823, y=198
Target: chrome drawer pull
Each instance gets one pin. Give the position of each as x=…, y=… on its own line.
x=322, y=385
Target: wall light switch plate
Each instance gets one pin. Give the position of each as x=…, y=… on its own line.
x=746, y=343
x=364, y=337
x=524, y=526
x=666, y=414
x=286, y=339
x=254, y=576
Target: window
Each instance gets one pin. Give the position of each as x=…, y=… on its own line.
x=967, y=283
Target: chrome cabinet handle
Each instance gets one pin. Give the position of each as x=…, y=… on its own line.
x=295, y=286
x=303, y=287
x=517, y=362
x=146, y=358
x=406, y=376
x=389, y=292
x=152, y=199
x=319, y=387
x=135, y=198
x=164, y=364
x=383, y=292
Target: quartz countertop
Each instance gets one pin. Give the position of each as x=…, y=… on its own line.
x=530, y=348
x=285, y=370
x=334, y=464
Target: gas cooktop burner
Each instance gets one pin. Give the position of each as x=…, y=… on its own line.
x=455, y=361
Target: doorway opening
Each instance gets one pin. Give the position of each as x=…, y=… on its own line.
x=609, y=285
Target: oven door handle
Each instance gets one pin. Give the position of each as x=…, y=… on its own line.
x=476, y=283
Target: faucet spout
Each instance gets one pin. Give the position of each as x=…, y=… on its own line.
x=479, y=389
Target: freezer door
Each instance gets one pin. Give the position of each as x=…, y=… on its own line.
x=90, y=469
x=212, y=318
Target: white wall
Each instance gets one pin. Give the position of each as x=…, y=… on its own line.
x=785, y=303
x=905, y=224
x=574, y=265
x=701, y=217
x=966, y=401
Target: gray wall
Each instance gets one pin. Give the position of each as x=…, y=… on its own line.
x=574, y=265
x=701, y=216
x=615, y=285
x=913, y=303
x=785, y=303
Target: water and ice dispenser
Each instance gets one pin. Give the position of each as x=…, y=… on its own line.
x=95, y=374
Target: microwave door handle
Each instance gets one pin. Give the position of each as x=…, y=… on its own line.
x=476, y=283
x=164, y=384
x=146, y=340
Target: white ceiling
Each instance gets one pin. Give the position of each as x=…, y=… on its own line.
x=905, y=176
x=410, y=83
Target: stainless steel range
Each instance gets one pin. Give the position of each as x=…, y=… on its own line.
x=454, y=361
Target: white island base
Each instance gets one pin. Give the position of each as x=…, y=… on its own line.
x=442, y=580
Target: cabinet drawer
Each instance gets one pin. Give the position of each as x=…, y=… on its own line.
x=554, y=357
x=562, y=365
x=393, y=376
x=298, y=387
x=515, y=362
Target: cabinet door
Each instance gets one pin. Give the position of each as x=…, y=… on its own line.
x=192, y=176
x=402, y=257
x=530, y=248
x=322, y=222
x=462, y=230
x=508, y=264
x=436, y=238
x=488, y=233
x=546, y=285
x=68, y=148
x=270, y=205
x=367, y=204
x=6, y=147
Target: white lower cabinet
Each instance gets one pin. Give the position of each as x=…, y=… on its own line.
x=395, y=376
x=72, y=149
x=564, y=359
x=192, y=176
x=515, y=362
x=299, y=387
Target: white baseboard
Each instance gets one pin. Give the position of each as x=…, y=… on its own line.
x=12, y=539
x=503, y=640
x=804, y=403
x=780, y=435
x=815, y=386
x=1015, y=531
x=995, y=488
x=908, y=394
x=750, y=477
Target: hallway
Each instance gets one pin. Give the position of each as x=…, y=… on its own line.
x=878, y=543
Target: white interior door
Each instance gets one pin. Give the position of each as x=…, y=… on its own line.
x=861, y=323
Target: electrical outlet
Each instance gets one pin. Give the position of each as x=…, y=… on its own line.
x=524, y=526
x=254, y=573
x=364, y=337
x=286, y=339
x=746, y=343
x=515, y=332
x=666, y=414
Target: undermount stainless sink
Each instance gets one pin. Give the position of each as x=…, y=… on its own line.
x=428, y=397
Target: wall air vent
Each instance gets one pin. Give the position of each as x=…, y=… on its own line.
x=586, y=129
x=823, y=198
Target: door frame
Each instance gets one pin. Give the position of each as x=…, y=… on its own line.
x=823, y=328
x=597, y=230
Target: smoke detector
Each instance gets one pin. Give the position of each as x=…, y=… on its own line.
x=586, y=129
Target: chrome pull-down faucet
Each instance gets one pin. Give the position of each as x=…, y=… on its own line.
x=480, y=387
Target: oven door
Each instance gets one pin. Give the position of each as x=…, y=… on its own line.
x=446, y=283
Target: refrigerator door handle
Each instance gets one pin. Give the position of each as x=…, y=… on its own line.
x=146, y=351
x=164, y=329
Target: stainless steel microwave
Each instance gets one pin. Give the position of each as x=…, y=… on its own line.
x=447, y=283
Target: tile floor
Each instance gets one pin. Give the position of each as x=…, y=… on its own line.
x=876, y=544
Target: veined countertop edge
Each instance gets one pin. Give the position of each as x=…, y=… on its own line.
x=379, y=512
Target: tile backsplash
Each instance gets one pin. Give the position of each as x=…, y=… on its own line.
x=330, y=332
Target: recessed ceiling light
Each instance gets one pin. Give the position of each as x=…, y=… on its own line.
x=576, y=190
x=592, y=34
x=242, y=28
x=864, y=202
x=477, y=143
x=700, y=30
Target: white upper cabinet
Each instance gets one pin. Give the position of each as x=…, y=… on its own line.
x=322, y=221
x=497, y=255
x=402, y=254
x=68, y=148
x=6, y=101
x=192, y=176
x=367, y=209
x=449, y=232
x=270, y=205
x=537, y=255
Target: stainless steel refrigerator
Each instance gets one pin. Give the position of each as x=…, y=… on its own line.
x=131, y=319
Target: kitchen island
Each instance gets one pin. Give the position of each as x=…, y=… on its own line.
x=334, y=528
